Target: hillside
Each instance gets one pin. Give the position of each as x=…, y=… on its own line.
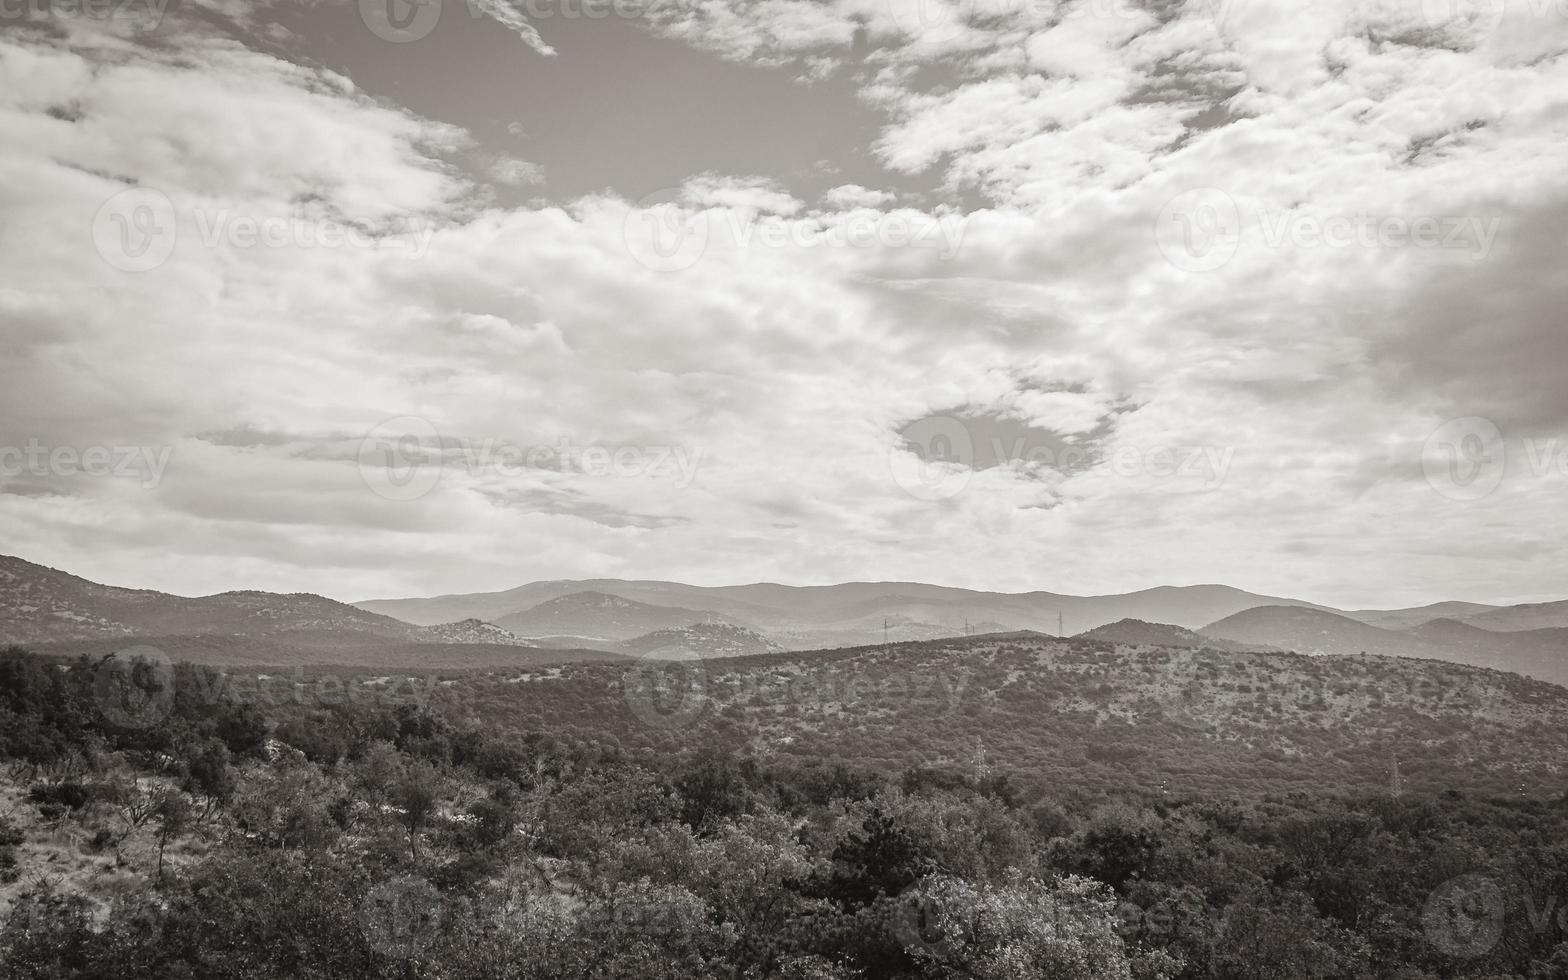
x=1072, y=713
x=1527, y=616
x=704, y=640
x=1136, y=632
x=1538, y=653
x=43, y=605
x=471, y=631
x=1542, y=654
x=1318, y=632
x=810, y=617
x=597, y=615
x=1400, y=619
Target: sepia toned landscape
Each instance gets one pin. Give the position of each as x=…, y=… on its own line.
x=783, y=489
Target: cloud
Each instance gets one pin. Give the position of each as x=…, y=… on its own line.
x=1147, y=215
x=846, y=196
x=743, y=193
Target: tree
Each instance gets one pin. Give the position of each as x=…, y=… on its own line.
x=416, y=792
x=172, y=815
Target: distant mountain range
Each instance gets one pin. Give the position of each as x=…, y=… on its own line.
x=811, y=614
x=570, y=619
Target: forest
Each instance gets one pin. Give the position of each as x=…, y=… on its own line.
x=153, y=824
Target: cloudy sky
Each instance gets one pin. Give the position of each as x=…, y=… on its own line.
x=370, y=299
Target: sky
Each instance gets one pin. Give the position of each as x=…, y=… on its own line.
x=371, y=299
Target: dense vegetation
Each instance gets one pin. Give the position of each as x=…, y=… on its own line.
x=1080, y=713
x=156, y=825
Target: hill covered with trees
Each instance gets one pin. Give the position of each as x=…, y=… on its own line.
x=165, y=821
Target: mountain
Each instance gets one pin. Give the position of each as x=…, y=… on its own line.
x=45, y=605
x=1528, y=616
x=51, y=611
x=1399, y=619
x=1315, y=631
x=597, y=615
x=471, y=631
x=1136, y=632
x=1540, y=653
x=805, y=617
x=703, y=640
x=1074, y=713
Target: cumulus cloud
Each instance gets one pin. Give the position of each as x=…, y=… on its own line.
x=1252, y=257
x=847, y=196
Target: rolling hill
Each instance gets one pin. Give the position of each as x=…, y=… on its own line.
x=1136, y=632
x=55, y=612
x=810, y=617
x=1542, y=654
x=1074, y=713
x=597, y=615
x=1399, y=619
x=44, y=605
x=1315, y=631
x=703, y=640
x=1527, y=616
